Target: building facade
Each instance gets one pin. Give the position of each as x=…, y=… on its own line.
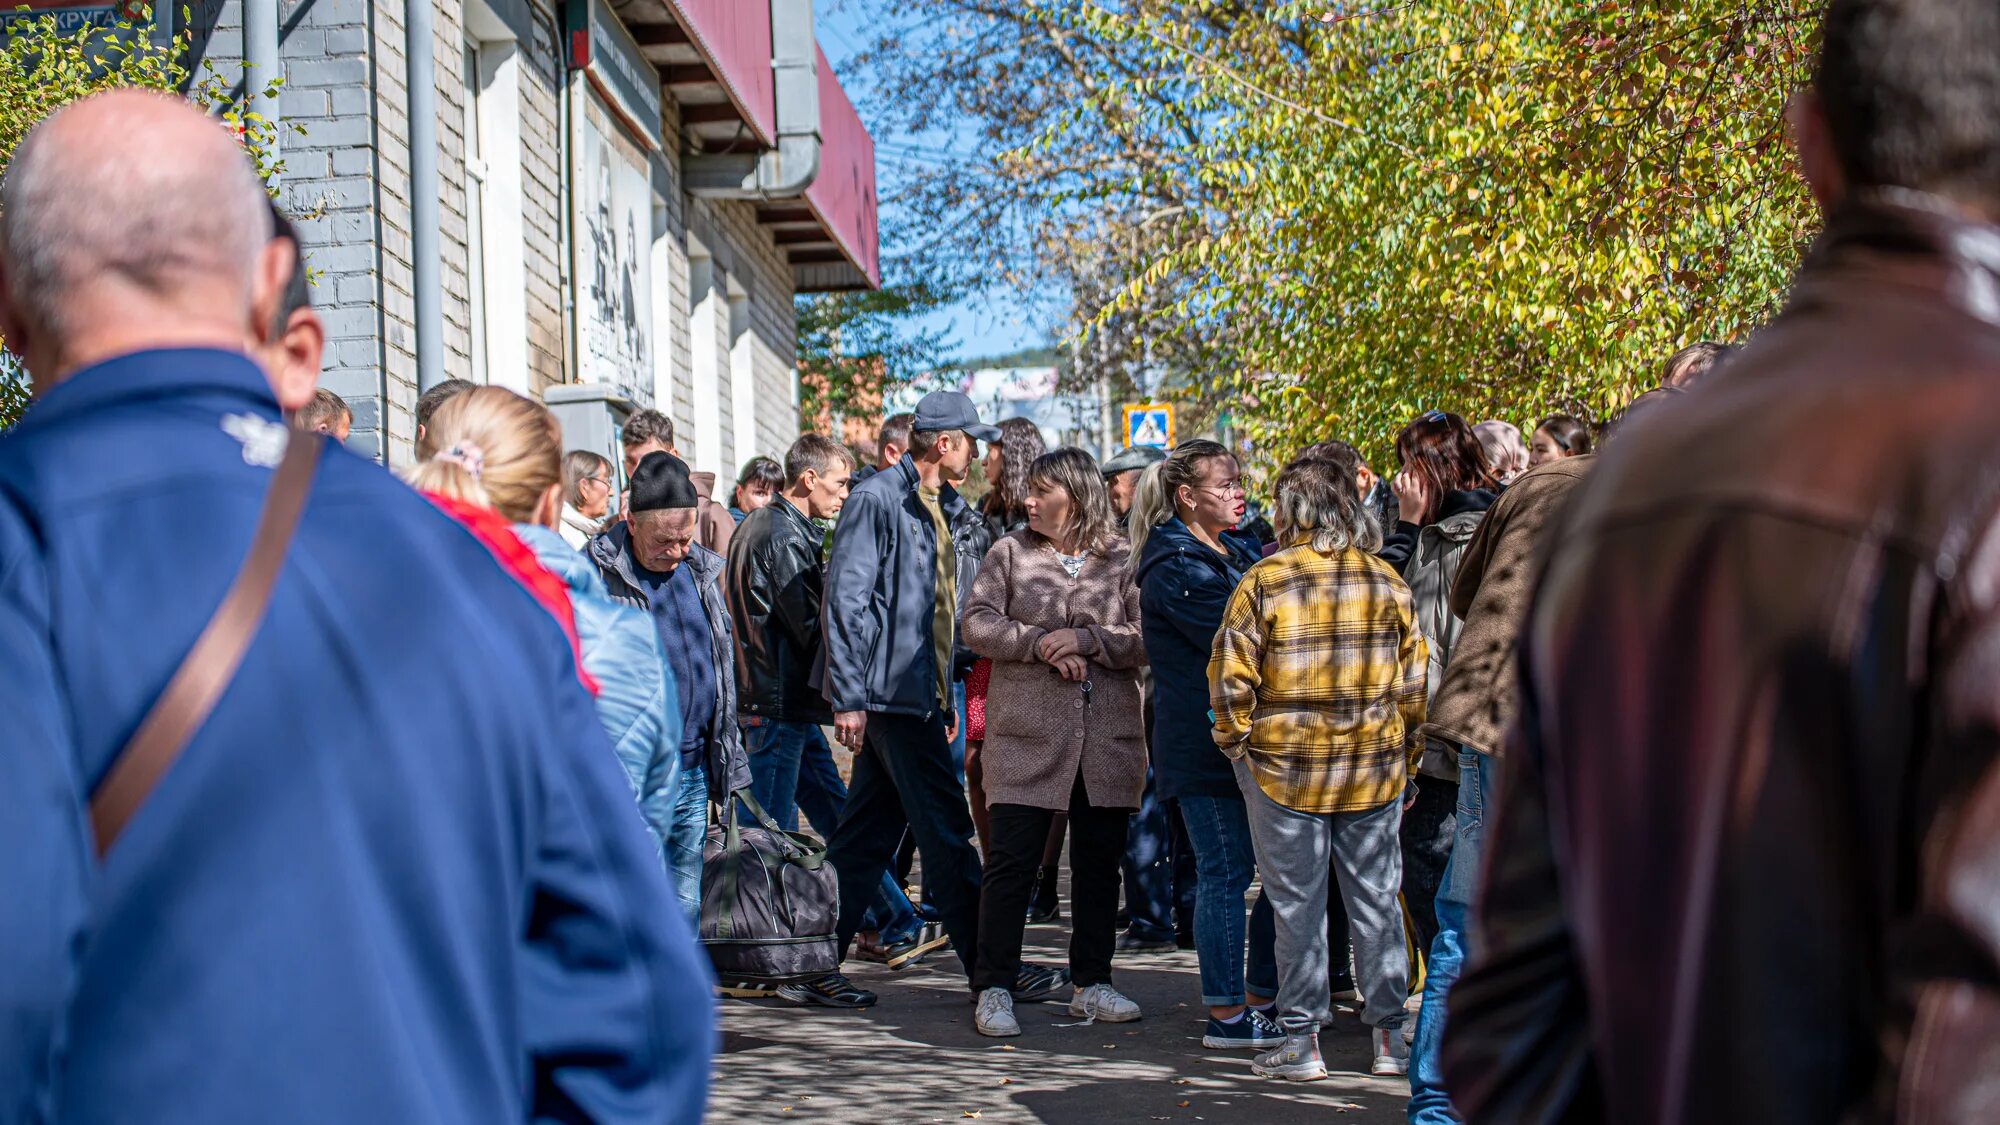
x=608, y=207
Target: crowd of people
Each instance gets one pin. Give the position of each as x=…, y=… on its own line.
x=1663, y=752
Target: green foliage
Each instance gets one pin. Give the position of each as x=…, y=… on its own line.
x=43, y=69
x=853, y=347
x=1494, y=207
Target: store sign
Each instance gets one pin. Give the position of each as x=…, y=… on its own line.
x=75, y=16
x=600, y=46
x=614, y=249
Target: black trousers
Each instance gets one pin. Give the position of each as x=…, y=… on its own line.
x=1096, y=850
x=1427, y=834
x=903, y=778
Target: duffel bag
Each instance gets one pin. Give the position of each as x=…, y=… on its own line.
x=769, y=901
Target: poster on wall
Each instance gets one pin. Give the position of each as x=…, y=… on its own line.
x=614, y=249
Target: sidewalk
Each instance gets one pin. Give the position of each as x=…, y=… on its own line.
x=915, y=1058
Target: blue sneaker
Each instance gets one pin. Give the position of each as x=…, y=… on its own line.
x=1255, y=1029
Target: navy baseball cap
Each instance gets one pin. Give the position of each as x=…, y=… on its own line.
x=939, y=411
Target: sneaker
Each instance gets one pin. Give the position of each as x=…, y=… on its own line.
x=1103, y=1003
x=747, y=990
x=1343, y=988
x=1255, y=1029
x=830, y=991
x=1039, y=982
x=1298, y=1059
x=1129, y=942
x=910, y=950
x=996, y=1015
x=1392, y=1055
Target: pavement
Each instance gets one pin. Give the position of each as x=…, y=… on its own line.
x=915, y=1057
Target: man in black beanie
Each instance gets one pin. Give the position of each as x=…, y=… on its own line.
x=652, y=561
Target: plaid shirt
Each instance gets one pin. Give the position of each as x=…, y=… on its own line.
x=1318, y=680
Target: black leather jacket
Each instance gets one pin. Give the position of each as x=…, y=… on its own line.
x=775, y=582
x=1744, y=859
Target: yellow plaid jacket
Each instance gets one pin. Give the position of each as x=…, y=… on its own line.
x=1318, y=680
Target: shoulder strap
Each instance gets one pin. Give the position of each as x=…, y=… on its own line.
x=211, y=664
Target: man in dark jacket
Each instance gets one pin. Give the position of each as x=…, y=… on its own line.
x=653, y=562
x=891, y=613
x=775, y=587
x=1749, y=829
x=396, y=874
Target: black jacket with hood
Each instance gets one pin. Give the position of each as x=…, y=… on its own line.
x=1183, y=588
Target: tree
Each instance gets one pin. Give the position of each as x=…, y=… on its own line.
x=43, y=68
x=854, y=347
x=1488, y=206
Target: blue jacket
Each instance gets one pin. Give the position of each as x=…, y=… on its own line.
x=1183, y=589
x=727, y=763
x=881, y=597
x=394, y=877
x=635, y=696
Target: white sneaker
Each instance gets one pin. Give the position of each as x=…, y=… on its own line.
x=1103, y=1003
x=1392, y=1055
x=996, y=1014
x=1298, y=1059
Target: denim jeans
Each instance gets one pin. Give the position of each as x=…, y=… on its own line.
x=1429, y=1104
x=690, y=827
x=1224, y=859
x=1159, y=871
x=792, y=771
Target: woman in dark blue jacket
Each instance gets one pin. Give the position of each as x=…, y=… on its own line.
x=1189, y=564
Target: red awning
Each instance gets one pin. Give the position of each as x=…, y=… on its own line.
x=843, y=194
x=734, y=36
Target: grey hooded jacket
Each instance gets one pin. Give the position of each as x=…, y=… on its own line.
x=611, y=551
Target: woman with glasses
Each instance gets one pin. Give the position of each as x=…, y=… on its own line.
x=1182, y=528
x=586, y=496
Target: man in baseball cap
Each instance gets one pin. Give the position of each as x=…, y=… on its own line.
x=891, y=610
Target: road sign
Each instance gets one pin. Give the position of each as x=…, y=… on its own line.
x=1150, y=424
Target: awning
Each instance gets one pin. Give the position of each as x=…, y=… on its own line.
x=837, y=246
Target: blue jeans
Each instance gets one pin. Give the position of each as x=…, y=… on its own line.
x=792, y=771
x=1429, y=1104
x=1159, y=871
x=1224, y=860
x=690, y=832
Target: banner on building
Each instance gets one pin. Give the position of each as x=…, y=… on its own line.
x=614, y=249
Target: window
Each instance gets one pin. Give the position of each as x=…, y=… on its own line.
x=475, y=212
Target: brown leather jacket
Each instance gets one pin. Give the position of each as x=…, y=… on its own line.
x=1746, y=866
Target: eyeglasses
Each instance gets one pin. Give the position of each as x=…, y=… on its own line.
x=1226, y=488
x=600, y=480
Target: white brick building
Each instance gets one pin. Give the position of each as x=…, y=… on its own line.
x=626, y=202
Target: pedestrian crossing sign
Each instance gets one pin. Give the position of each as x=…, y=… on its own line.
x=1150, y=424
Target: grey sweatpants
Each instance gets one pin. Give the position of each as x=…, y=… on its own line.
x=1298, y=855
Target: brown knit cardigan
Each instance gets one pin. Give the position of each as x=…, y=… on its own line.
x=1474, y=703
x=1040, y=728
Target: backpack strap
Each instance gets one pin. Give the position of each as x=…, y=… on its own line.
x=207, y=669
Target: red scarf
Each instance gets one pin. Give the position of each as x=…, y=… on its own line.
x=492, y=529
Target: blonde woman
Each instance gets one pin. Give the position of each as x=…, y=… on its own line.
x=1318, y=688
x=498, y=470
x=1055, y=610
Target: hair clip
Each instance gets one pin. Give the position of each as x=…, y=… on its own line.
x=466, y=455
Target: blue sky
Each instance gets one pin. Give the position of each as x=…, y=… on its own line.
x=986, y=324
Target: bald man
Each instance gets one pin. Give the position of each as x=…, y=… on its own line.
x=397, y=874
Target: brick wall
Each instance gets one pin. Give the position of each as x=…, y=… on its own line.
x=541, y=191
